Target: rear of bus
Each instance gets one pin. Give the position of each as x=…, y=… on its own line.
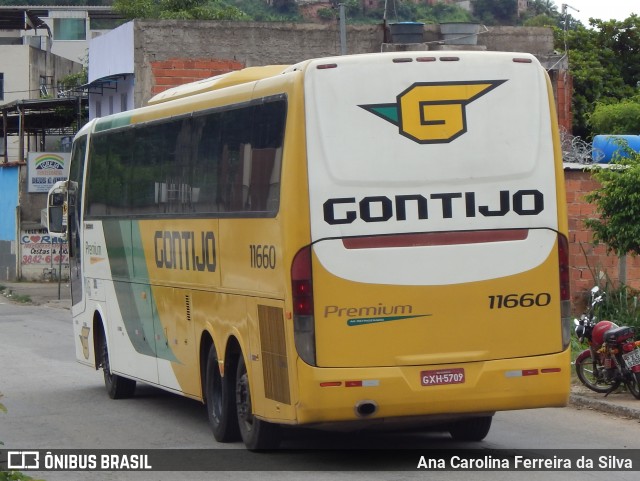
x=435, y=285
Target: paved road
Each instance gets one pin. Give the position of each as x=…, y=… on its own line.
x=55, y=403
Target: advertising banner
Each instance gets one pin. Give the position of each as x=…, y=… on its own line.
x=46, y=168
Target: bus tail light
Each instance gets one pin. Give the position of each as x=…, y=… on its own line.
x=565, y=293
x=302, y=292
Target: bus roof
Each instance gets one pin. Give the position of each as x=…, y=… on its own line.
x=249, y=74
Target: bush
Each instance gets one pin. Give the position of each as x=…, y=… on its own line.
x=617, y=203
x=616, y=118
x=326, y=14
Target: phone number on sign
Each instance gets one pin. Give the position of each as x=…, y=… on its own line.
x=44, y=259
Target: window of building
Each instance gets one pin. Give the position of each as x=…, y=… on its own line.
x=44, y=89
x=123, y=102
x=1, y=86
x=99, y=108
x=69, y=29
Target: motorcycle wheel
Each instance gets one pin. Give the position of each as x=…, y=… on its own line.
x=633, y=384
x=586, y=369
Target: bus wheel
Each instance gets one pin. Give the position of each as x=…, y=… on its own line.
x=220, y=401
x=118, y=387
x=256, y=434
x=472, y=429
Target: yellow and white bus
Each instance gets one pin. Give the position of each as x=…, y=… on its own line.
x=347, y=242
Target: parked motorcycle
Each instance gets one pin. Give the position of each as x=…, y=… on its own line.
x=613, y=357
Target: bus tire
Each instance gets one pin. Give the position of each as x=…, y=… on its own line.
x=256, y=434
x=472, y=429
x=220, y=398
x=118, y=387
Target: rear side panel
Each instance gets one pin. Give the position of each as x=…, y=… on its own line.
x=433, y=209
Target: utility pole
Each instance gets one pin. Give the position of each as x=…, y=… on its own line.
x=343, y=30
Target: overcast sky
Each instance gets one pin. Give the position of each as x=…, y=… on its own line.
x=601, y=9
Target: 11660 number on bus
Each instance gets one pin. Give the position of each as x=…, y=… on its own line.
x=262, y=256
x=509, y=301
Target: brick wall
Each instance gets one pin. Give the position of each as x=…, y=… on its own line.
x=564, y=94
x=585, y=259
x=178, y=71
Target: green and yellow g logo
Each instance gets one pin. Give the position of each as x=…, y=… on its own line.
x=433, y=112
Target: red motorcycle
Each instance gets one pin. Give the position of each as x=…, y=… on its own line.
x=613, y=356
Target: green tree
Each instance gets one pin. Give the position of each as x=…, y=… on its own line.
x=261, y=11
x=178, y=9
x=617, y=203
x=541, y=21
x=604, y=61
x=616, y=118
x=408, y=10
x=496, y=12
x=543, y=7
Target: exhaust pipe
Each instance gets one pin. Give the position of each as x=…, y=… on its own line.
x=366, y=408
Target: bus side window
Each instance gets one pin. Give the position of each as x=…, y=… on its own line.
x=236, y=133
x=205, y=160
x=145, y=172
x=273, y=196
x=268, y=133
x=261, y=170
x=97, y=189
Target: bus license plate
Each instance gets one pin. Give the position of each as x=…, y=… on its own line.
x=632, y=358
x=442, y=376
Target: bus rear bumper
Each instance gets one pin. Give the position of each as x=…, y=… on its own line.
x=389, y=395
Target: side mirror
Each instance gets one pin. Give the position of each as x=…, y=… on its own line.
x=58, y=209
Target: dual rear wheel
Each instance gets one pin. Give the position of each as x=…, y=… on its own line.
x=230, y=409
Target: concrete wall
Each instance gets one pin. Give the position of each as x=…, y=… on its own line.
x=54, y=67
x=15, y=66
x=31, y=203
x=23, y=65
x=42, y=257
x=245, y=43
x=14, y=60
x=255, y=43
x=535, y=40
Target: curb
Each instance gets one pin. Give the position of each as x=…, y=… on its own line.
x=605, y=406
x=57, y=304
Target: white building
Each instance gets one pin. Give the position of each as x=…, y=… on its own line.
x=111, y=72
x=65, y=30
